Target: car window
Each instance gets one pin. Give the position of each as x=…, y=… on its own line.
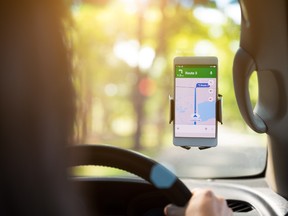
x=123, y=74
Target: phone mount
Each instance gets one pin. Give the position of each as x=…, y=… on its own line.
x=219, y=103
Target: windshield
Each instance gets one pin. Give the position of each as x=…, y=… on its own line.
x=123, y=61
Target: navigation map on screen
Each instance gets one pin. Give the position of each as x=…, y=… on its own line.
x=195, y=101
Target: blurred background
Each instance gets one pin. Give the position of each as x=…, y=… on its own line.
x=123, y=54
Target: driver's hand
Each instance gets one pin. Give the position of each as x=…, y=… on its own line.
x=202, y=203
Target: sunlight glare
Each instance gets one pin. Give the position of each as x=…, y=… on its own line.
x=123, y=126
x=231, y=9
x=146, y=57
x=132, y=6
x=234, y=12
x=209, y=16
x=134, y=55
x=127, y=51
x=205, y=47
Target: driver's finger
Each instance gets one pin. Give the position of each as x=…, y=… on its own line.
x=172, y=210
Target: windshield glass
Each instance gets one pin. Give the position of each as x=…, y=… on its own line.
x=123, y=61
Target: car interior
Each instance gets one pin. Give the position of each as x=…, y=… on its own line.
x=248, y=168
x=262, y=49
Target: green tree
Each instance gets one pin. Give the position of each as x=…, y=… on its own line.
x=122, y=102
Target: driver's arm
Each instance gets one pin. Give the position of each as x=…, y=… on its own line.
x=202, y=203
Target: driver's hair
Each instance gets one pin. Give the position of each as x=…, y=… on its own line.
x=36, y=110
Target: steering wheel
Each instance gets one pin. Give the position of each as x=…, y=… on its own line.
x=133, y=162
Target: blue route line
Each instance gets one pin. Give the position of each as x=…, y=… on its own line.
x=198, y=85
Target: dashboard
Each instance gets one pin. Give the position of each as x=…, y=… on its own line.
x=134, y=196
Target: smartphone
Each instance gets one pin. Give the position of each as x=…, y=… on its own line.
x=195, y=101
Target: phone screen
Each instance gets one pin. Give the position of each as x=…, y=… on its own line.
x=195, y=101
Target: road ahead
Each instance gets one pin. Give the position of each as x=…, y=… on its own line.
x=236, y=155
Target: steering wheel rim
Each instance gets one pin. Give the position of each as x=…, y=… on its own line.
x=128, y=160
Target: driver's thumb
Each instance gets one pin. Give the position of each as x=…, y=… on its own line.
x=172, y=210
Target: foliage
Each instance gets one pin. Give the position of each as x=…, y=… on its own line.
x=121, y=99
